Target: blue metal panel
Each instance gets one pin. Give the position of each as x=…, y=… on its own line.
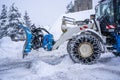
x=117, y=45
x=28, y=45
x=48, y=42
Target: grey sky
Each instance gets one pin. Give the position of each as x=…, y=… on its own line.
x=42, y=12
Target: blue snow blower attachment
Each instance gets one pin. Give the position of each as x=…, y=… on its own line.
x=48, y=42
x=35, y=39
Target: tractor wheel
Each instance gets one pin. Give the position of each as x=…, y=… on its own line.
x=116, y=54
x=84, y=49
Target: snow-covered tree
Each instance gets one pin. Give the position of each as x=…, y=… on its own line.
x=3, y=17
x=70, y=7
x=27, y=20
x=14, y=18
x=3, y=21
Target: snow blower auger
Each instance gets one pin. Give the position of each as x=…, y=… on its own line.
x=86, y=39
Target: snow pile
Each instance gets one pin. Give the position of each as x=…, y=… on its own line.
x=10, y=49
x=105, y=69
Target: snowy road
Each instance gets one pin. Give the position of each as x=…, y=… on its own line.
x=55, y=65
x=107, y=68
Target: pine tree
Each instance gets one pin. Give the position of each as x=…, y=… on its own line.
x=27, y=20
x=70, y=7
x=14, y=18
x=3, y=22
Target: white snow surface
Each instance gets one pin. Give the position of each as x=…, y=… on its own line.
x=54, y=65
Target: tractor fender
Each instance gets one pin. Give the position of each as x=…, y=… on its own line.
x=98, y=36
x=95, y=33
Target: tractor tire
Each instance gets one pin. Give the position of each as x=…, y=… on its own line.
x=69, y=44
x=117, y=54
x=84, y=48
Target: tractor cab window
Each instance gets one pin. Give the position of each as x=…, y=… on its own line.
x=118, y=12
x=105, y=8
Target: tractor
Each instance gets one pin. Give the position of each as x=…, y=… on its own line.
x=87, y=39
x=101, y=36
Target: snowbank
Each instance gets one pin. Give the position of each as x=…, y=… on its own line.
x=10, y=49
x=107, y=68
